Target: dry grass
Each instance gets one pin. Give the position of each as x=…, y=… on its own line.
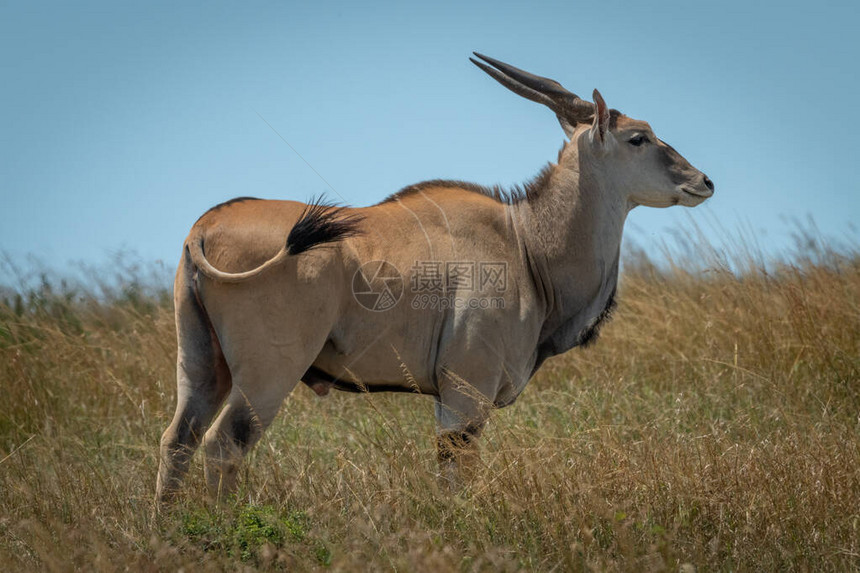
x=716, y=425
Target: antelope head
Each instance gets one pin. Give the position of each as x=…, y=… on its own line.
x=626, y=154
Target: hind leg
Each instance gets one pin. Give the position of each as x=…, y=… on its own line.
x=259, y=388
x=271, y=331
x=203, y=382
x=267, y=358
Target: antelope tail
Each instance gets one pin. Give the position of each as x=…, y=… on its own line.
x=194, y=246
x=319, y=224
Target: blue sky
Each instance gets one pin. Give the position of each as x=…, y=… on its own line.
x=121, y=124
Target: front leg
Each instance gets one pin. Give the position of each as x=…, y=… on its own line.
x=457, y=453
x=462, y=409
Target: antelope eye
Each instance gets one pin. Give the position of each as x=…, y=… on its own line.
x=638, y=140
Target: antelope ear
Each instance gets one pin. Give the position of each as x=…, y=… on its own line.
x=601, y=117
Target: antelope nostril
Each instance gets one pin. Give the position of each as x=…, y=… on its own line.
x=708, y=183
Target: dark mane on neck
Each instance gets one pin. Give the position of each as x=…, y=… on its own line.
x=510, y=196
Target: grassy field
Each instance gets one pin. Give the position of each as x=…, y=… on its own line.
x=715, y=426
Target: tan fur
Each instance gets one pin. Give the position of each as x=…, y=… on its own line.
x=245, y=340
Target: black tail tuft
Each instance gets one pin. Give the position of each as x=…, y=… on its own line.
x=321, y=222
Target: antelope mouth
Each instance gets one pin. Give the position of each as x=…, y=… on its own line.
x=696, y=193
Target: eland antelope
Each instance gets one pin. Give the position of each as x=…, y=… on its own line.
x=445, y=288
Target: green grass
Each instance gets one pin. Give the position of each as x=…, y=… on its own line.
x=715, y=425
